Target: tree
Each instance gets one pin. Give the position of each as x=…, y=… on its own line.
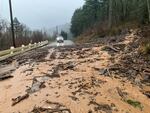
x=5, y=34
x=148, y=6
x=111, y=12
x=64, y=35
x=77, y=22
x=23, y=34
x=18, y=27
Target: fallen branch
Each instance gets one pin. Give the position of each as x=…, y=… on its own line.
x=108, y=48
x=121, y=93
x=5, y=77
x=49, y=110
x=19, y=99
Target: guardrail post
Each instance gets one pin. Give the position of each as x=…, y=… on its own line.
x=22, y=49
x=35, y=44
x=12, y=50
x=29, y=45
x=39, y=44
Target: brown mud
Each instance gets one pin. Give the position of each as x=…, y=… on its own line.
x=108, y=77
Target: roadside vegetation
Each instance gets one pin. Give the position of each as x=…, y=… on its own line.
x=23, y=34
x=135, y=104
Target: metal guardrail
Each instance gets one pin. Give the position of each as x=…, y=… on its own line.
x=14, y=51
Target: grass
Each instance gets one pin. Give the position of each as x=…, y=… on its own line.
x=135, y=103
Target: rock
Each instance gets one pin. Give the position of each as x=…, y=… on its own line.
x=36, y=86
x=137, y=80
x=146, y=78
x=103, y=71
x=5, y=72
x=69, y=65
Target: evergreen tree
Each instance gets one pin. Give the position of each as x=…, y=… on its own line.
x=64, y=35
x=113, y=12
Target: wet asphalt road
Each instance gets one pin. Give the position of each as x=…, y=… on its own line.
x=66, y=43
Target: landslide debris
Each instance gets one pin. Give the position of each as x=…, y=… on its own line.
x=110, y=76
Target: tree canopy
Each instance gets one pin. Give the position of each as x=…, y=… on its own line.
x=112, y=12
x=64, y=35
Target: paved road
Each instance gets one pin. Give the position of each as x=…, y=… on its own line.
x=66, y=43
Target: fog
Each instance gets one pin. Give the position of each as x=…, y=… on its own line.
x=41, y=13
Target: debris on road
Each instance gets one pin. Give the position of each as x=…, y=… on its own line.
x=103, y=71
x=105, y=76
x=101, y=107
x=147, y=93
x=4, y=77
x=53, y=107
x=74, y=98
x=121, y=93
x=36, y=86
x=19, y=99
x=68, y=65
x=110, y=48
x=5, y=72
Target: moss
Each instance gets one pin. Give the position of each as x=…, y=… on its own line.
x=135, y=104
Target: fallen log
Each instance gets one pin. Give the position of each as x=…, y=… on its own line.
x=5, y=72
x=101, y=107
x=19, y=99
x=110, y=48
x=54, y=107
x=49, y=110
x=121, y=93
x=147, y=93
x=5, y=77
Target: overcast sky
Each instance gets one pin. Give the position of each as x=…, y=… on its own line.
x=41, y=13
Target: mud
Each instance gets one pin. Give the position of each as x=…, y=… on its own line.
x=76, y=79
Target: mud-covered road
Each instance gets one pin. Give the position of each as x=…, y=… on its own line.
x=73, y=79
x=66, y=43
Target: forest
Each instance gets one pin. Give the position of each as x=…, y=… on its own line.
x=104, y=15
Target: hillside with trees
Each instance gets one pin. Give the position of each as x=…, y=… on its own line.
x=23, y=34
x=100, y=16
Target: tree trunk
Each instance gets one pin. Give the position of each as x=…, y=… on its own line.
x=148, y=6
x=110, y=14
